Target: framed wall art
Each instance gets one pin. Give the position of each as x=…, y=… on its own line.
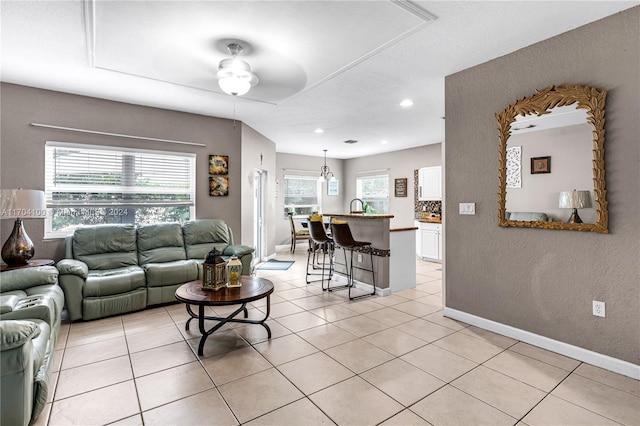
x=540, y=165
x=218, y=164
x=333, y=187
x=400, y=187
x=218, y=186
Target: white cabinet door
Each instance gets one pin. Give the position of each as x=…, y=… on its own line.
x=430, y=243
x=430, y=183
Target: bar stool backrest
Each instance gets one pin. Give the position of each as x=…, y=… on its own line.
x=317, y=232
x=341, y=234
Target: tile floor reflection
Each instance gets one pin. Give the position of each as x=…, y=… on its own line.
x=394, y=361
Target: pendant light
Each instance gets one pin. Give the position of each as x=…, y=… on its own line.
x=325, y=172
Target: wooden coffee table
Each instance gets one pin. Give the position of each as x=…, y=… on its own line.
x=252, y=289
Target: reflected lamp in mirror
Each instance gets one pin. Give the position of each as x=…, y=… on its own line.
x=575, y=200
x=20, y=204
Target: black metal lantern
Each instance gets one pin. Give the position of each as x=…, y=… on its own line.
x=214, y=271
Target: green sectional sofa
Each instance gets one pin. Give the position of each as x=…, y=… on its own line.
x=114, y=269
x=31, y=304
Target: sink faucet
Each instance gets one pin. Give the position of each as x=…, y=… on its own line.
x=351, y=204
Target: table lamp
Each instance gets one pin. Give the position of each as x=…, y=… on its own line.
x=575, y=200
x=20, y=204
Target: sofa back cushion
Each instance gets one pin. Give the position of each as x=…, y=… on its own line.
x=105, y=246
x=161, y=242
x=201, y=236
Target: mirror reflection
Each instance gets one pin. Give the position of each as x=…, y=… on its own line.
x=563, y=139
x=552, y=160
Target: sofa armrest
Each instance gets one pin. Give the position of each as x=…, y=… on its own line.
x=17, y=368
x=73, y=274
x=72, y=266
x=14, y=334
x=25, y=278
x=238, y=250
x=242, y=252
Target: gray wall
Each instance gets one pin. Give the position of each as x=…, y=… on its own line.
x=22, y=146
x=258, y=153
x=401, y=164
x=544, y=281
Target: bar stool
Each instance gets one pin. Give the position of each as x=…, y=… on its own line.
x=343, y=239
x=320, y=241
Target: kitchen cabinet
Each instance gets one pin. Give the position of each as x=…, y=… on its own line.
x=429, y=241
x=430, y=183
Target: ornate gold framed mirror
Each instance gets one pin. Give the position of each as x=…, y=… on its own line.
x=559, y=131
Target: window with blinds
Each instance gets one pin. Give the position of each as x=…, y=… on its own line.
x=88, y=185
x=302, y=195
x=374, y=190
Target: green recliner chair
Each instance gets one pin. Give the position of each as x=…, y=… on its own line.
x=31, y=304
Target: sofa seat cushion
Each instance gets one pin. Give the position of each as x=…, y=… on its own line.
x=106, y=247
x=161, y=242
x=113, y=281
x=170, y=273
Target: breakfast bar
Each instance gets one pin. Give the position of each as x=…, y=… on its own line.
x=393, y=252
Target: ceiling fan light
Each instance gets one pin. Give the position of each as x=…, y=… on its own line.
x=233, y=85
x=234, y=75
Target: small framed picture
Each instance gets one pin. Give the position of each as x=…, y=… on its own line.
x=333, y=187
x=400, y=185
x=218, y=186
x=218, y=164
x=540, y=165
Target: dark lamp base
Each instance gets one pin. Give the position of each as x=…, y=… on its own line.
x=574, y=218
x=18, y=249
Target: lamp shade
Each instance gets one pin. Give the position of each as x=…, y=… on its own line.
x=22, y=203
x=575, y=200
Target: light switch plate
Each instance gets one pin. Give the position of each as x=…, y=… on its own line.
x=467, y=208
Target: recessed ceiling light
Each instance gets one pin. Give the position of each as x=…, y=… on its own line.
x=384, y=141
x=318, y=130
x=406, y=103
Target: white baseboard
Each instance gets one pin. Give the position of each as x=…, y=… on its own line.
x=594, y=358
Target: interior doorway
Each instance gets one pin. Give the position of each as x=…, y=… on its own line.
x=259, y=231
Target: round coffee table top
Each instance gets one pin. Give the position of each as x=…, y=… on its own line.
x=252, y=288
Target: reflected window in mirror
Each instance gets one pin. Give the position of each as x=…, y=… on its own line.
x=561, y=126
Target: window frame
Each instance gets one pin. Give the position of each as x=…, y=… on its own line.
x=299, y=176
x=50, y=185
x=369, y=200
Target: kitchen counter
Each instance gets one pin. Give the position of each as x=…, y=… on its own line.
x=361, y=215
x=394, y=259
x=430, y=220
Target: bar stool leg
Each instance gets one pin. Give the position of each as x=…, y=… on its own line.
x=373, y=277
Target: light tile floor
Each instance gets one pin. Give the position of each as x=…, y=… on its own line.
x=381, y=360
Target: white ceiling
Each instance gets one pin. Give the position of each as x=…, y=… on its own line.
x=343, y=66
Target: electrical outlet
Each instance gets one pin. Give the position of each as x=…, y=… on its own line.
x=598, y=309
x=359, y=258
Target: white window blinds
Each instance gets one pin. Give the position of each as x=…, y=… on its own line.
x=88, y=185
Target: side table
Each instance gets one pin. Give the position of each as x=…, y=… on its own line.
x=32, y=264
